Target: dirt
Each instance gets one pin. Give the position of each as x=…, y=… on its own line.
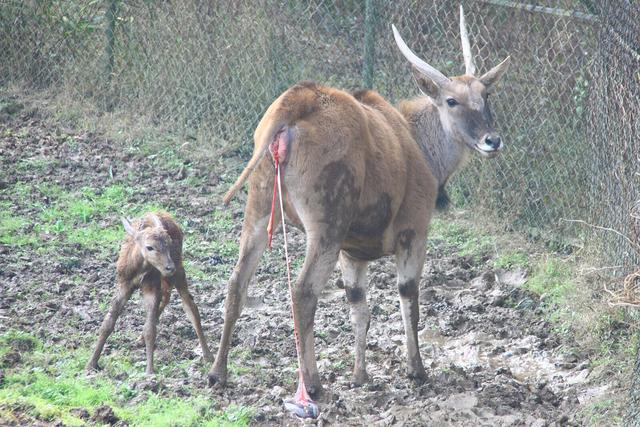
x=491, y=357
x=104, y=415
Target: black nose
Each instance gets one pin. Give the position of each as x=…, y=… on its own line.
x=493, y=141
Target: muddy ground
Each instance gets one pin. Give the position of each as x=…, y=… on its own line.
x=491, y=357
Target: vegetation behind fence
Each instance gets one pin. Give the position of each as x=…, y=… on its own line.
x=568, y=108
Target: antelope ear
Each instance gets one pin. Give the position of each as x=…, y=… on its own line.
x=156, y=220
x=129, y=228
x=494, y=74
x=426, y=85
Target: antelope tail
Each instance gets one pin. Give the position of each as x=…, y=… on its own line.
x=262, y=145
x=276, y=127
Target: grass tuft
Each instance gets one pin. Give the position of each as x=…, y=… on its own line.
x=468, y=241
x=552, y=281
x=88, y=218
x=50, y=383
x=512, y=259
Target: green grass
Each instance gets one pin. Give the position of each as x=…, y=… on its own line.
x=21, y=190
x=12, y=230
x=600, y=413
x=615, y=345
x=49, y=382
x=16, y=341
x=552, y=279
x=87, y=217
x=225, y=248
x=221, y=224
x=195, y=271
x=34, y=164
x=210, y=244
x=191, y=411
x=338, y=366
x=239, y=360
x=162, y=150
x=512, y=259
x=94, y=236
x=223, y=221
x=468, y=241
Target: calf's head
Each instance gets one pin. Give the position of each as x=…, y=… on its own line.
x=462, y=101
x=154, y=244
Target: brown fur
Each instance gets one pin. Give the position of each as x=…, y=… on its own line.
x=355, y=179
x=155, y=272
x=361, y=178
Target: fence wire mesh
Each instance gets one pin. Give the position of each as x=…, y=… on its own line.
x=568, y=107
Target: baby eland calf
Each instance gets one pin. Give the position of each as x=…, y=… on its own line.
x=150, y=259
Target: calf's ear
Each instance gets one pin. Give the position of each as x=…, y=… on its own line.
x=129, y=228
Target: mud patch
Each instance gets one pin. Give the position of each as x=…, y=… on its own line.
x=490, y=357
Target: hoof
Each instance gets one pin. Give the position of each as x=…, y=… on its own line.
x=359, y=379
x=92, y=368
x=419, y=376
x=314, y=390
x=217, y=380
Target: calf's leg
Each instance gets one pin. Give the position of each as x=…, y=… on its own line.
x=151, y=296
x=180, y=282
x=123, y=294
x=166, y=297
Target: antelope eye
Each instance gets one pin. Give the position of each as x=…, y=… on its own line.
x=452, y=102
x=149, y=248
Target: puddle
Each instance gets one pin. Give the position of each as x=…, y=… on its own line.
x=476, y=350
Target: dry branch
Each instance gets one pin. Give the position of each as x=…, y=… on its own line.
x=629, y=295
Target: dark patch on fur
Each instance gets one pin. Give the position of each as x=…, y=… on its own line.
x=442, y=201
x=339, y=193
x=475, y=123
x=373, y=219
x=408, y=289
x=414, y=314
x=405, y=239
x=354, y=295
x=362, y=251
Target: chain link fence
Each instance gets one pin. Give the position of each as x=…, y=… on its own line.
x=568, y=107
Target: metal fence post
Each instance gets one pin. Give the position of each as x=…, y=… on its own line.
x=110, y=33
x=369, y=43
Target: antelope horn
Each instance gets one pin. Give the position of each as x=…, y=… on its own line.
x=470, y=67
x=435, y=75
